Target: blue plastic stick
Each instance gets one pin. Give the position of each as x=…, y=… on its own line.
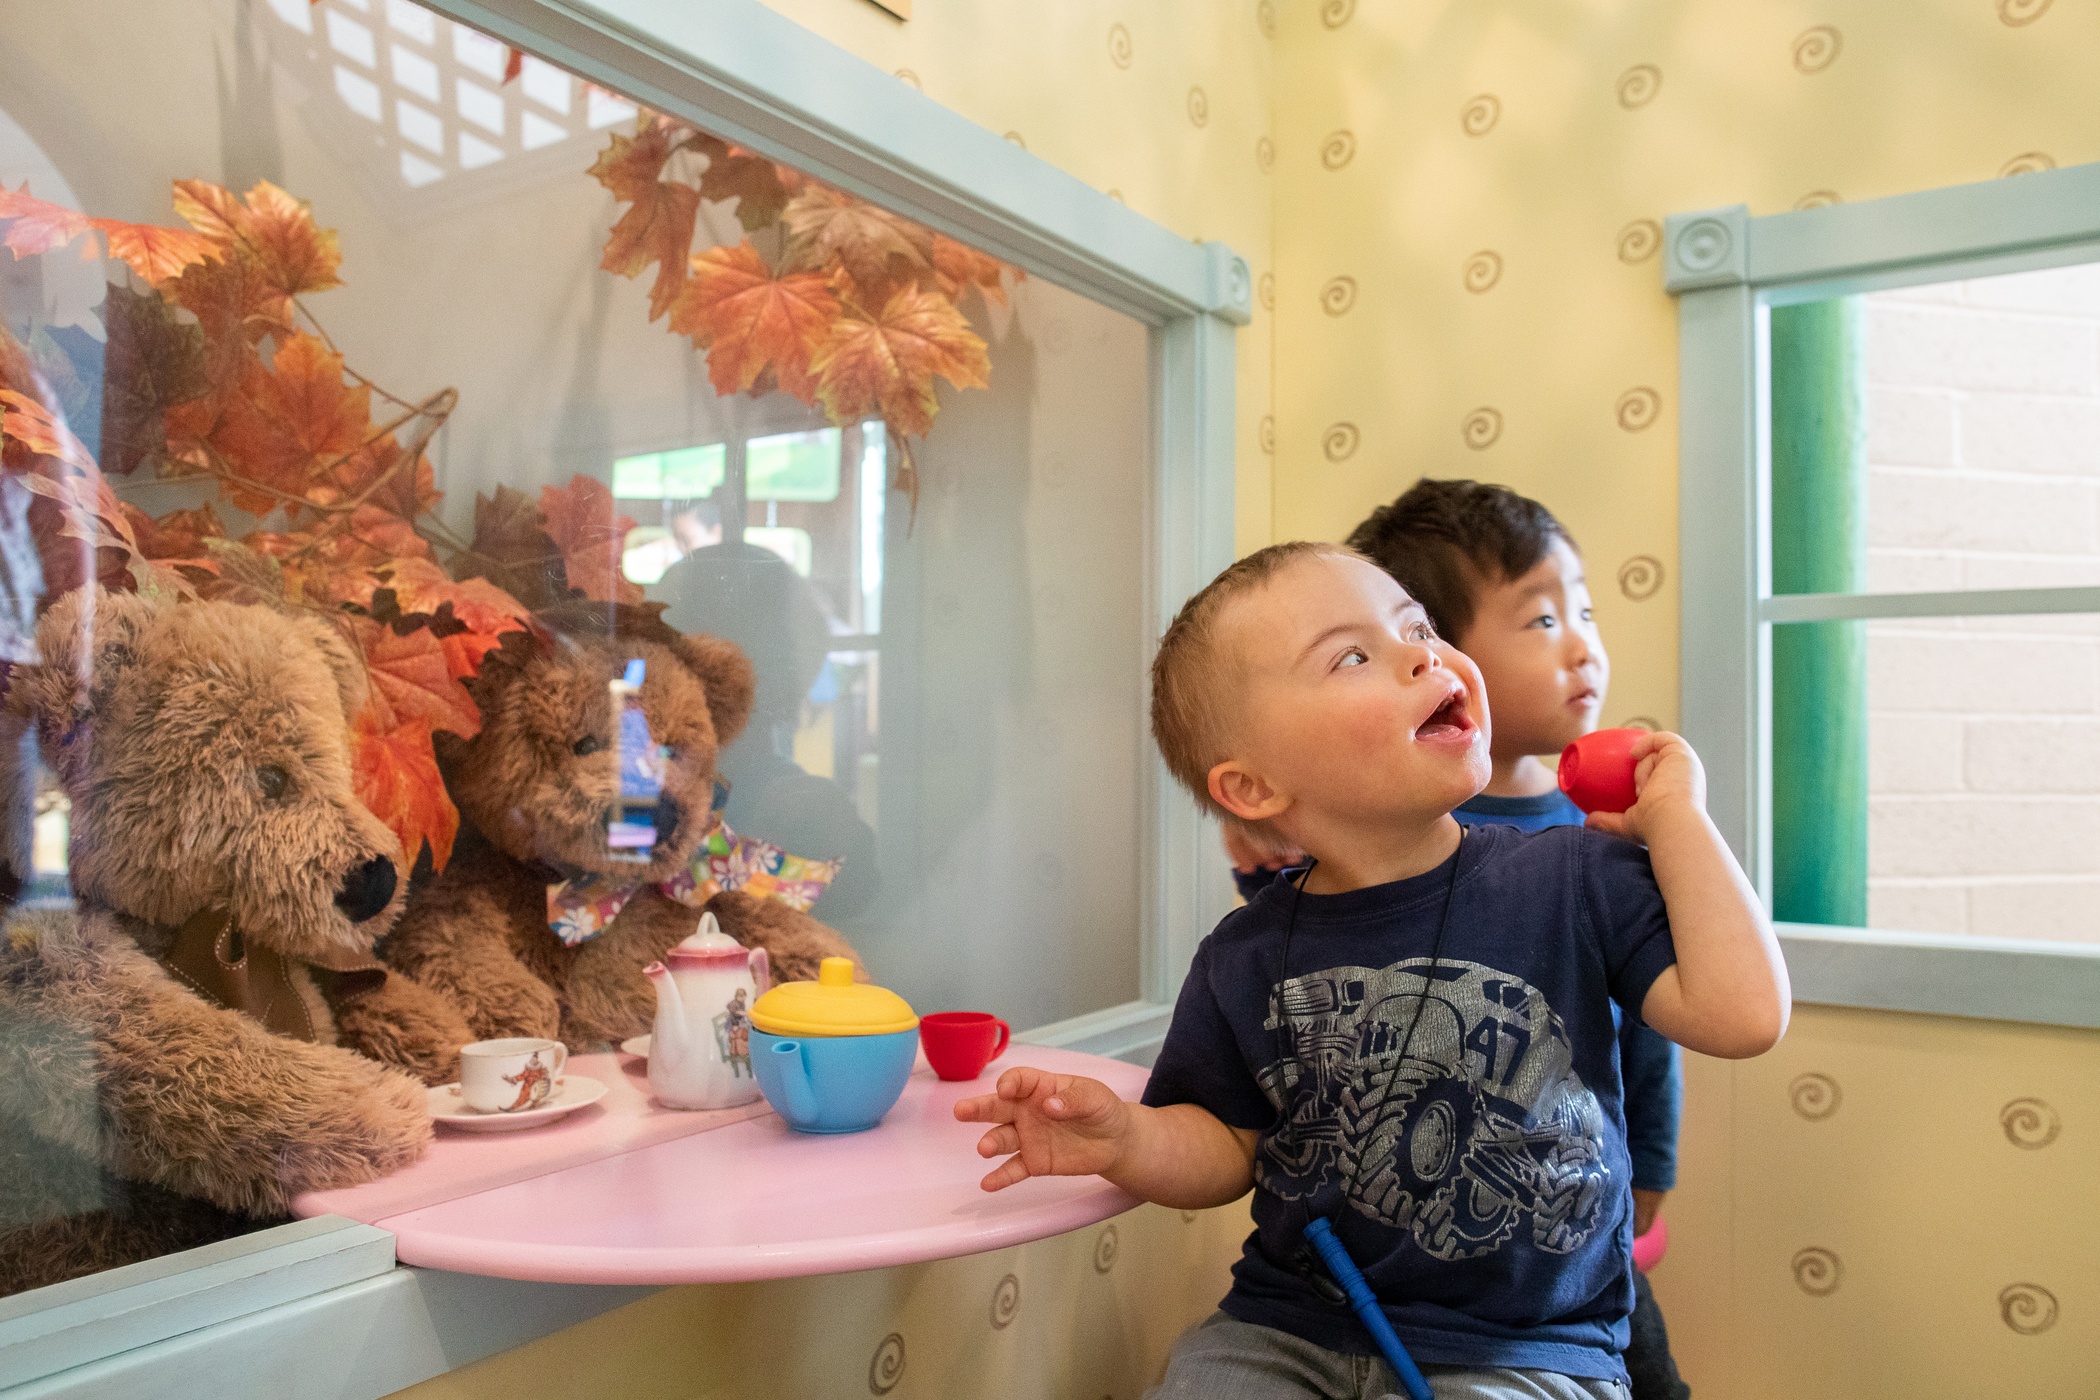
x=1360, y=1298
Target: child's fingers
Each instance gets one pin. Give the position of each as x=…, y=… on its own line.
x=999, y=1141
x=1013, y=1169
x=1023, y=1081
x=985, y=1108
x=1610, y=823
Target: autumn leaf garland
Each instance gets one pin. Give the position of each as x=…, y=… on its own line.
x=854, y=314
x=216, y=373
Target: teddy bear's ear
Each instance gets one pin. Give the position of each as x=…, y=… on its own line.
x=344, y=661
x=726, y=673
x=85, y=642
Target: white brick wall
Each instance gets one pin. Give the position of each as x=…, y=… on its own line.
x=1983, y=449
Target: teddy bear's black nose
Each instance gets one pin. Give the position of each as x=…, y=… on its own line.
x=366, y=889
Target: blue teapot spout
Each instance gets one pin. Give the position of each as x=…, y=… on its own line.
x=798, y=1099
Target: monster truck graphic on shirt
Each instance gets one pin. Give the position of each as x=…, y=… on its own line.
x=1481, y=1130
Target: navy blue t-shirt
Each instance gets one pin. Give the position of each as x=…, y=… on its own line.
x=1650, y=1065
x=1480, y=1182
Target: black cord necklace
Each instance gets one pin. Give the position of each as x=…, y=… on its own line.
x=1436, y=955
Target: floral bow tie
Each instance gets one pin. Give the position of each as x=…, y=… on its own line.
x=584, y=906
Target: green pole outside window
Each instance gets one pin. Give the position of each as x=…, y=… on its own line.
x=1819, y=680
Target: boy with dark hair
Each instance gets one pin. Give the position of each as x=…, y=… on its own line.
x=1413, y=1040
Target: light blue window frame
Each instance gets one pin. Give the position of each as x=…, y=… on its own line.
x=1727, y=271
x=320, y=1308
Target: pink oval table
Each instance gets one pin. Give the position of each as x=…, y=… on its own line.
x=626, y=1192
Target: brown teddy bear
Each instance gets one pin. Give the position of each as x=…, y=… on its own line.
x=173, y=1061
x=537, y=789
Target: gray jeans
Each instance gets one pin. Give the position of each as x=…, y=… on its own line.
x=1226, y=1359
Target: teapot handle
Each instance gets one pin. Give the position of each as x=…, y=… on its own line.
x=761, y=972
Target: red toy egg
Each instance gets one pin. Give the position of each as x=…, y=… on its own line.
x=1596, y=771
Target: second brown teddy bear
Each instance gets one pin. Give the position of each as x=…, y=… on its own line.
x=537, y=789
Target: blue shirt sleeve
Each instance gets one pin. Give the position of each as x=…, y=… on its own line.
x=1201, y=1063
x=1626, y=916
x=1654, y=1076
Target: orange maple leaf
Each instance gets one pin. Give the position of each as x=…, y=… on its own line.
x=290, y=418
x=395, y=774
x=887, y=364
x=658, y=227
x=155, y=253
x=875, y=246
x=748, y=320
x=958, y=267
x=276, y=230
x=180, y=534
x=412, y=679
x=38, y=226
x=591, y=536
x=479, y=612
x=754, y=182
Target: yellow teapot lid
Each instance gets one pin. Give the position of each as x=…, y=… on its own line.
x=834, y=1004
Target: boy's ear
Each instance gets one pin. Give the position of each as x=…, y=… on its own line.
x=1244, y=794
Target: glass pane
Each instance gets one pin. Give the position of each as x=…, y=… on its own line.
x=464, y=450
x=1940, y=775
x=1940, y=437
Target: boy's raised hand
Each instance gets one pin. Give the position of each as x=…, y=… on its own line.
x=1667, y=779
x=1048, y=1125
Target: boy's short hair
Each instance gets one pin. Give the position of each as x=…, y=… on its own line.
x=1445, y=540
x=1192, y=684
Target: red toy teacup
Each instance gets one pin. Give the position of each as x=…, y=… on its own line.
x=959, y=1044
x=1596, y=771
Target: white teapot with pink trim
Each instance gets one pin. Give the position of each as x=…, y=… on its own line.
x=700, y=1050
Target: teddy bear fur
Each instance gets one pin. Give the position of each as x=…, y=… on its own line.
x=138, y=1116
x=535, y=789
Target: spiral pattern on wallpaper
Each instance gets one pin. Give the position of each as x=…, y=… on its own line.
x=1640, y=722
x=910, y=80
x=887, y=1367
x=1336, y=13
x=1481, y=427
x=1265, y=19
x=1338, y=149
x=1819, y=199
x=2029, y=1123
x=2028, y=163
x=1482, y=271
x=1817, y=1272
x=1641, y=577
x=1638, y=85
x=1105, y=1250
x=1264, y=154
x=1637, y=409
x=1265, y=288
x=1814, y=1096
x=1639, y=240
x=1816, y=49
x=1119, y=46
x=1199, y=106
x=1266, y=433
x=2021, y=12
x=1338, y=295
x=2027, y=1308
x=1338, y=443
x=1479, y=115
x=1006, y=1302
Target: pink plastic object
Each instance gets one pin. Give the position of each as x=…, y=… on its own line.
x=679, y=1211
x=1648, y=1249
x=1596, y=771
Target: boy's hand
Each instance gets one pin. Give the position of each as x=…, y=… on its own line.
x=1646, y=1206
x=1668, y=780
x=1051, y=1124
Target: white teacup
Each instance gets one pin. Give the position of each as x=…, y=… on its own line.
x=510, y=1076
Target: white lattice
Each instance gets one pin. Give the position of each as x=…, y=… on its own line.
x=422, y=106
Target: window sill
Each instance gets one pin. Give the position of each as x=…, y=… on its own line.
x=1941, y=974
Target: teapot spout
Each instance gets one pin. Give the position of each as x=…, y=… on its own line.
x=798, y=1100
x=668, y=1040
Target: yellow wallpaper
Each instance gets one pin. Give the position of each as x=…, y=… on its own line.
x=1164, y=104
x=1467, y=266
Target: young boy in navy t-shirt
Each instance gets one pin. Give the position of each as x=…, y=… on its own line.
x=1414, y=1039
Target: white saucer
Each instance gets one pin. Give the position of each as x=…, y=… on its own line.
x=571, y=1092
x=636, y=1045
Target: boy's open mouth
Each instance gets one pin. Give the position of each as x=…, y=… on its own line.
x=1448, y=721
